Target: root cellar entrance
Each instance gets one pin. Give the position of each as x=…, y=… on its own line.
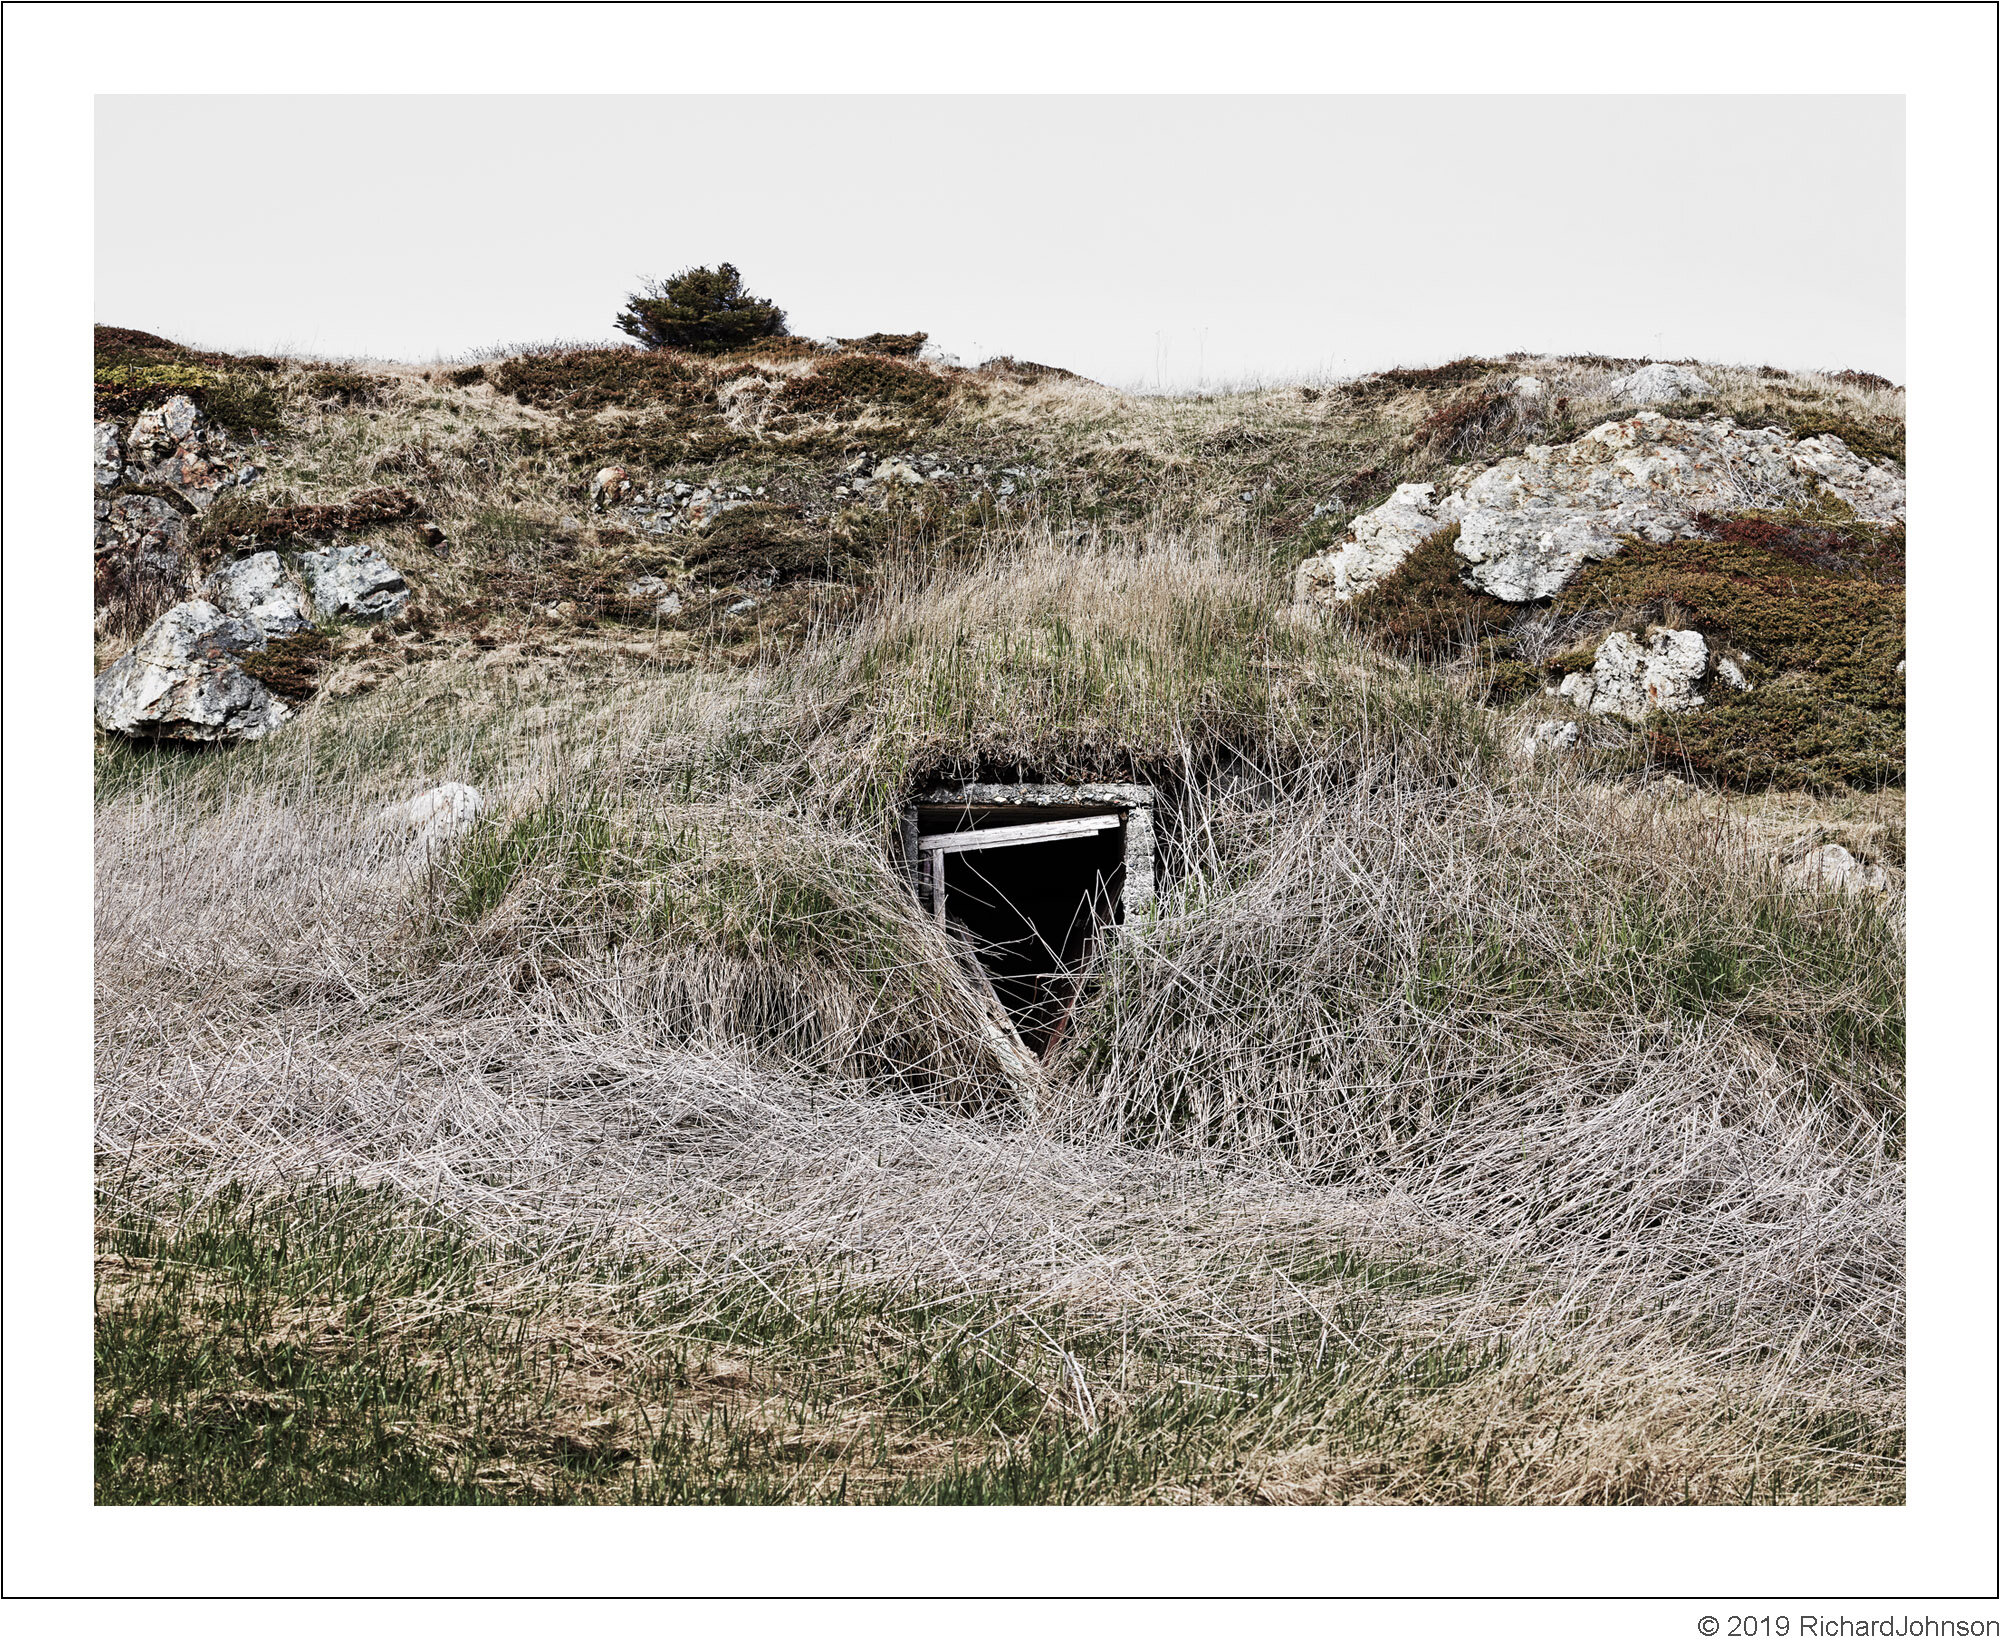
x=1028, y=878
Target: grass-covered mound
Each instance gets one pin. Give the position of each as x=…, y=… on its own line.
x=136, y=371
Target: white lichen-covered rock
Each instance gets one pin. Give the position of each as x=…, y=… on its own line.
x=1550, y=736
x=1383, y=539
x=183, y=681
x=434, y=818
x=354, y=581
x=107, y=454
x=261, y=588
x=1651, y=384
x=1835, y=868
x=1529, y=523
x=1528, y=388
x=1731, y=674
x=1632, y=678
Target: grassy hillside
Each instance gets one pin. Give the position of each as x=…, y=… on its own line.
x=1461, y=1128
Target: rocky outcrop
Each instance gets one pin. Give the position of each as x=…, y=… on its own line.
x=1632, y=678
x=142, y=534
x=107, y=454
x=1529, y=523
x=173, y=446
x=1383, y=539
x=260, y=588
x=183, y=681
x=1652, y=384
x=355, y=580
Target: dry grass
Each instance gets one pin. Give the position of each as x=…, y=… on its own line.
x=1455, y=1134
x=1458, y=1130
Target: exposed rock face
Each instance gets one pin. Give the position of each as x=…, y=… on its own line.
x=435, y=817
x=1835, y=868
x=1650, y=384
x=143, y=533
x=1383, y=539
x=107, y=454
x=171, y=446
x=1632, y=679
x=354, y=581
x=182, y=681
x=259, y=588
x=1529, y=523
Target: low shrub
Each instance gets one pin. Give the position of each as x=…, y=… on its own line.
x=590, y=379
x=346, y=388
x=237, y=519
x=292, y=666
x=1027, y=371
x=768, y=540
x=136, y=371
x=1815, y=605
x=466, y=376
x=844, y=387
x=902, y=344
x=1423, y=609
x=1453, y=374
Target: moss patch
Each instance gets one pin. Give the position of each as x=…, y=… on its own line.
x=291, y=667
x=136, y=371
x=1815, y=605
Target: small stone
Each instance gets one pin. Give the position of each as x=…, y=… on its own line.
x=1731, y=674
x=108, y=454
x=1633, y=678
x=435, y=817
x=1835, y=868
x=1528, y=388
x=1550, y=736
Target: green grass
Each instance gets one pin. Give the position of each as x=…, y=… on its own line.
x=337, y=1345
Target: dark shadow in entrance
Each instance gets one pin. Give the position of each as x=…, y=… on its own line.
x=1032, y=909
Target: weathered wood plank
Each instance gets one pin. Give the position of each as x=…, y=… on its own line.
x=1018, y=834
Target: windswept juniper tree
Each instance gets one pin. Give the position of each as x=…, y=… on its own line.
x=702, y=311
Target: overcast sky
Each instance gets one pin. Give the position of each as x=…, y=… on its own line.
x=1133, y=239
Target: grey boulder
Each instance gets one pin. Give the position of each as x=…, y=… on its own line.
x=354, y=581
x=260, y=588
x=183, y=681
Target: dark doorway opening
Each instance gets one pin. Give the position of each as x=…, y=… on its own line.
x=1031, y=905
